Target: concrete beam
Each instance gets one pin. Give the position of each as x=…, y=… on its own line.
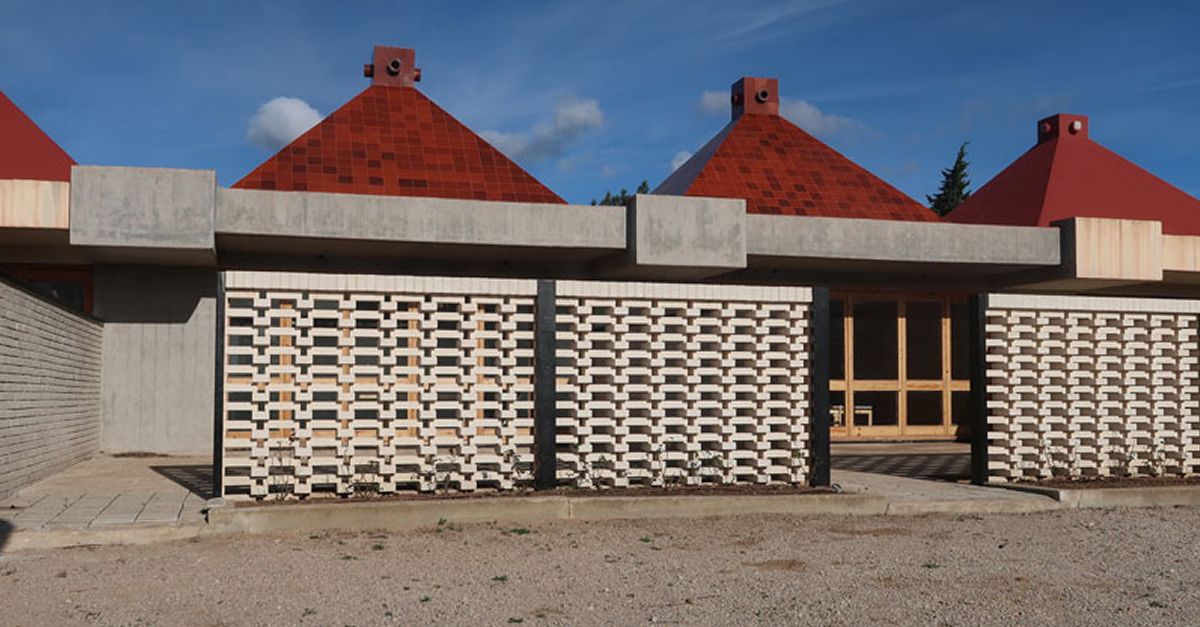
x=142, y=208
x=803, y=237
x=417, y=220
x=34, y=204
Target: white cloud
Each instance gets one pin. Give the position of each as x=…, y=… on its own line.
x=547, y=140
x=679, y=159
x=715, y=102
x=279, y=121
x=808, y=117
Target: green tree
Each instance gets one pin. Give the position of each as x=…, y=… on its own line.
x=622, y=199
x=955, y=186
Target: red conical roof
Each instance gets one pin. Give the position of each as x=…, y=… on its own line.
x=1068, y=175
x=393, y=140
x=26, y=151
x=780, y=169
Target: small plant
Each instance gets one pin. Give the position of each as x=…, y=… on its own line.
x=500, y=578
x=516, y=620
x=425, y=599
x=348, y=557
x=931, y=565
x=308, y=611
x=519, y=531
x=1158, y=604
x=646, y=539
x=377, y=547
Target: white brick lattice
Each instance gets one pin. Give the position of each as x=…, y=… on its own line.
x=346, y=384
x=665, y=384
x=1108, y=387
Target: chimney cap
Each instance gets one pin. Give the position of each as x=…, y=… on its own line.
x=1062, y=125
x=754, y=95
x=396, y=67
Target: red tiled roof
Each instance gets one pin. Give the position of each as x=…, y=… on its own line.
x=1066, y=175
x=26, y=151
x=780, y=169
x=393, y=140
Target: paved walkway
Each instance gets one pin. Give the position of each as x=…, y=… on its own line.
x=108, y=491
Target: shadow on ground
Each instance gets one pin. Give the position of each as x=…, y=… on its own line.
x=196, y=478
x=930, y=466
x=6, y=529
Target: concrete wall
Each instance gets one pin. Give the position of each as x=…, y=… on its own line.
x=49, y=388
x=159, y=345
x=1083, y=386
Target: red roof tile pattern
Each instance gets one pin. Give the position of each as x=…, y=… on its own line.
x=1068, y=175
x=395, y=141
x=780, y=169
x=26, y=151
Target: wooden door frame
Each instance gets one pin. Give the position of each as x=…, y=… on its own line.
x=901, y=385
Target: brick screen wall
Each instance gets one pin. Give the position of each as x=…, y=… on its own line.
x=1092, y=387
x=347, y=384
x=49, y=388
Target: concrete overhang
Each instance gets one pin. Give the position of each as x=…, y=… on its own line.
x=884, y=252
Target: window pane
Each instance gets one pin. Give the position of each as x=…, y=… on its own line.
x=960, y=408
x=837, y=339
x=875, y=345
x=876, y=409
x=960, y=341
x=925, y=408
x=924, y=334
x=837, y=410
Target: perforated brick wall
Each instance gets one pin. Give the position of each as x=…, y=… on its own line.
x=682, y=384
x=361, y=383
x=1092, y=387
x=350, y=384
x=49, y=388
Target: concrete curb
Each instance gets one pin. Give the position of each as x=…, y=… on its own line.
x=404, y=515
x=1108, y=498
x=27, y=540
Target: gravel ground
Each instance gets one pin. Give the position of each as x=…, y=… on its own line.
x=1082, y=567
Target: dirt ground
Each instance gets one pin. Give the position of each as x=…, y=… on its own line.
x=1081, y=567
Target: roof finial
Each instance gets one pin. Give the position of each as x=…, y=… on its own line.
x=395, y=67
x=1061, y=124
x=755, y=96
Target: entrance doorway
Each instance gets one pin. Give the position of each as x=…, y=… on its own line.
x=899, y=366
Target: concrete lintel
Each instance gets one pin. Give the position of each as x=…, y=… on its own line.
x=146, y=208
x=683, y=237
x=442, y=221
x=852, y=239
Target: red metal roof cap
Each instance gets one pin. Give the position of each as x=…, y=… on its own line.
x=26, y=151
x=1067, y=175
x=780, y=169
x=393, y=140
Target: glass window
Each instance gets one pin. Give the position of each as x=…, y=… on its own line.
x=923, y=331
x=960, y=341
x=924, y=408
x=876, y=347
x=878, y=409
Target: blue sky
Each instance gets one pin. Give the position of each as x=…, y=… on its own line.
x=599, y=95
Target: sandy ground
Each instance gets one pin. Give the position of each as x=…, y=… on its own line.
x=1068, y=567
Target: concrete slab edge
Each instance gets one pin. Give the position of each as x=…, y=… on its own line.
x=1107, y=498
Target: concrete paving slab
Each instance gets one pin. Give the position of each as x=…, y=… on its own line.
x=124, y=509
x=915, y=496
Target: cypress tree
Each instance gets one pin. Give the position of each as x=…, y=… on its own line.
x=955, y=186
